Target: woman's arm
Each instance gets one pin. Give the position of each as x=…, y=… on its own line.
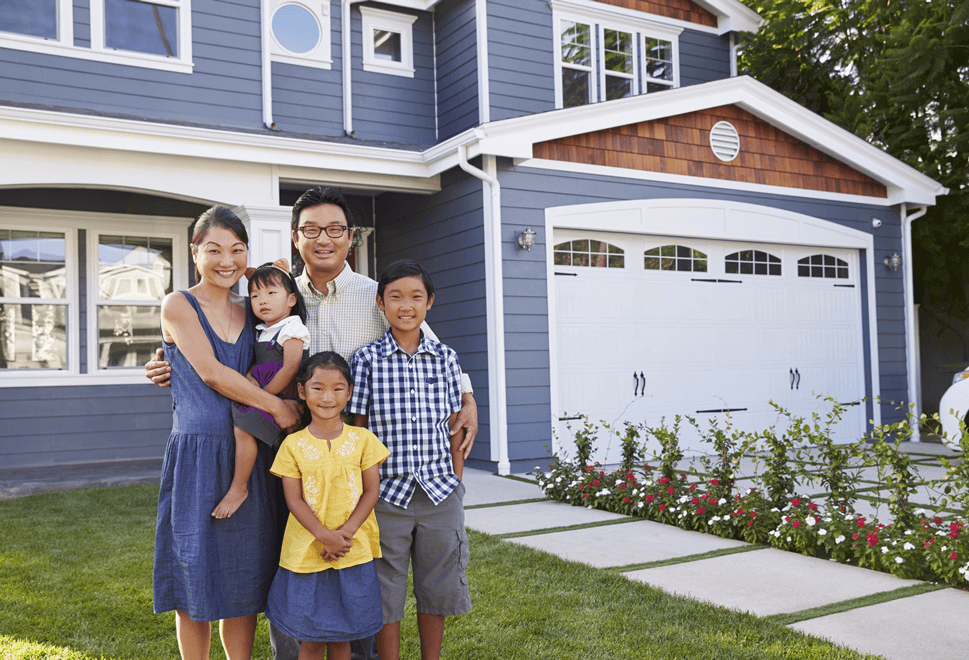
x=336, y=542
x=371, y=491
x=182, y=324
x=292, y=359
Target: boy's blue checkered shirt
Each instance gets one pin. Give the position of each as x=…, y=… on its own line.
x=408, y=400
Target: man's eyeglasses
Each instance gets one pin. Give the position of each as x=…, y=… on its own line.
x=333, y=231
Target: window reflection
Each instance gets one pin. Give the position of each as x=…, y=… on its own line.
x=127, y=335
x=134, y=268
x=33, y=336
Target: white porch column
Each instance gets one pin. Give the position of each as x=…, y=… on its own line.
x=269, y=232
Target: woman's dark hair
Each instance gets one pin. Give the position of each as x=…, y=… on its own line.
x=404, y=268
x=267, y=274
x=316, y=197
x=217, y=216
x=324, y=360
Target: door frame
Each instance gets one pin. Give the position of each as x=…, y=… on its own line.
x=708, y=219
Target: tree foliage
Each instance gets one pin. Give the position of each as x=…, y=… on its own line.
x=896, y=74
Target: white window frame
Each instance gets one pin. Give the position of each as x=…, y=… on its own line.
x=602, y=17
x=94, y=224
x=320, y=57
x=64, y=46
x=403, y=24
x=601, y=54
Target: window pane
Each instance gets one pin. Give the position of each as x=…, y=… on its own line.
x=575, y=87
x=127, y=336
x=576, y=43
x=386, y=45
x=618, y=48
x=656, y=87
x=141, y=27
x=563, y=258
x=33, y=336
x=36, y=18
x=134, y=268
x=618, y=88
x=32, y=264
x=296, y=29
x=659, y=59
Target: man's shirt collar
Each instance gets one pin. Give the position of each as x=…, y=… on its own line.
x=334, y=286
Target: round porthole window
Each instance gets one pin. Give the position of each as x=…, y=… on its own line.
x=296, y=29
x=724, y=140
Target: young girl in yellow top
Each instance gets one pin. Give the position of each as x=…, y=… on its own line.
x=325, y=592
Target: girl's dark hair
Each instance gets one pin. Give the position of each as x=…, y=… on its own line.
x=404, y=268
x=217, y=216
x=267, y=274
x=324, y=360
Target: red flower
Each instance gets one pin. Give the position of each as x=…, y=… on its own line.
x=817, y=519
x=750, y=522
x=625, y=499
x=713, y=502
x=692, y=486
x=812, y=507
x=872, y=540
x=662, y=507
x=670, y=490
x=649, y=498
x=861, y=522
x=595, y=482
x=695, y=500
x=585, y=495
x=954, y=535
x=663, y=481
x=715, y=482
x=701, y=510
x=795, y=502
x=854, y=537
x=588, y=469
x=682, y=476
x=740, y=512
x=787, y=519
x=953, y=555
x=937, y=520
x=796, y=523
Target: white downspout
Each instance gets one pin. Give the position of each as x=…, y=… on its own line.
x=481, y=35
x=267, y=66
x=498, y=417
x=911, y=353
x=347, y=66
x=733, y=54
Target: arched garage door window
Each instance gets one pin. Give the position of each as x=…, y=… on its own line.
x=590, y=253
x=752, y=262
x=822, y=266
x=675, y=257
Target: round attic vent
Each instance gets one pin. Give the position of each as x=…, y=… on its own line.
x=724, y=141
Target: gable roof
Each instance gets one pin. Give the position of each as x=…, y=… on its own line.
x=516, y=138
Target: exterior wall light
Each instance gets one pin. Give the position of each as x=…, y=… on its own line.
x=893, y=262
x=526, y=239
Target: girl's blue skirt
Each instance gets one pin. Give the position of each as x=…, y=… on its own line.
x=328, y=606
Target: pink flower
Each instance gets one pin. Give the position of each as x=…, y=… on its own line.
x=695, y=500
x=872, y=540
x=701, y=511
x=787, y=519
x=795, y=502
x=812, y=507
x=937, y=520
x=854, y=537
x=585, y=495
x=796, y=523
x=715, y=482
x=692, y=486
x=595, y=482
x=663, y=481
x=625, y=499
x=750, y=522
x=662, y=507
x=670, y=490
x=649, y=498
x=861, y=522
x=953, y=555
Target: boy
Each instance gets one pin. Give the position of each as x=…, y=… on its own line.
x=406, y=387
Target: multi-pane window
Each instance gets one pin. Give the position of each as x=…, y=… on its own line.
x=619, y=64
x=658, y=72
x=675, y=257
x=752, y=262
x=134, y=275
x=822, y=266
x=388, y=42
x=578, y=83
x=604, y=57
x=143, y=26
x=34, y=18
x=34, y=302
x=589, y=253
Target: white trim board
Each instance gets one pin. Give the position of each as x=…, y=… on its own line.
x=712, y=220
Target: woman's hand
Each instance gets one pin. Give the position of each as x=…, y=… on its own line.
x=158, y=371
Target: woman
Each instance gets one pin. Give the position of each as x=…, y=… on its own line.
x=207, y=568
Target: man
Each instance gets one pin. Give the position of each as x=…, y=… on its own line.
x=342, y=313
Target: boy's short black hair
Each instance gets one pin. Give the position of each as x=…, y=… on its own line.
x=404, y=268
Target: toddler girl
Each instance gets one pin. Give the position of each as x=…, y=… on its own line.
x=279, y=351
x=325, y=592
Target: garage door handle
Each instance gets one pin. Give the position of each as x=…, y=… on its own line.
x=791, y=371
x=637, y=384
x=797, y=386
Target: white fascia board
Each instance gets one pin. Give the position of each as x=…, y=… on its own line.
x=514, y=138
x=732, y=15
x=156, y=138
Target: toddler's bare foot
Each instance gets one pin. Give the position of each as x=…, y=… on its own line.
x=232, y=501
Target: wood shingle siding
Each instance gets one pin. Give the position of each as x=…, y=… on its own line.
x=681, y=145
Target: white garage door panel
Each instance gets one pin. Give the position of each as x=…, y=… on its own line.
x=705, y=345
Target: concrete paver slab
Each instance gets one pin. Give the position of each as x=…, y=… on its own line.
x=486, y=488
x=931, y=625
x=534, y=516
x=629, y=543
x=768, y=581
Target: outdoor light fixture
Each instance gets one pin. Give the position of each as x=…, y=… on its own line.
x=893, y=262
x=527, y=239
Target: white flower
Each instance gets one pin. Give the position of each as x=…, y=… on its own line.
x=908, y=546
x=640, y=505
x=715, y=519
x=558, y=480
x=899, y=560
x=884, y=550
x=788, y=539
x=840, y=538
x=635, y=491
x=909, y=532
x=822, y=532
x=810, y=521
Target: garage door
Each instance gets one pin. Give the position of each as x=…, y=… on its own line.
x=649, y=327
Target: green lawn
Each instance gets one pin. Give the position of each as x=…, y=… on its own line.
x=75, y=583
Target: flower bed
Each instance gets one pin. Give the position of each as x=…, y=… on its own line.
x=917, y=544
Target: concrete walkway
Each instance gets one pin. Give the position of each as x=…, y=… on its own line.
x=762, y=581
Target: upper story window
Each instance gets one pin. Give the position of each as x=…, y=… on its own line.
x=153, y=34
x=301, y=33
x=589, y=253
x=675, y=257
x=605, y=54
x=388, y=42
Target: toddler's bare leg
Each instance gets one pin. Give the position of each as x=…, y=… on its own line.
x=239, y=489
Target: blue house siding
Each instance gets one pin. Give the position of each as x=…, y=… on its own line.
x=457, y=67
x=223, y=89
x=83, y=424
x=521, y=74
x=525, y=196
x=703, y=57
x=445, y=232
x=307, y=99
x=82, y=23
